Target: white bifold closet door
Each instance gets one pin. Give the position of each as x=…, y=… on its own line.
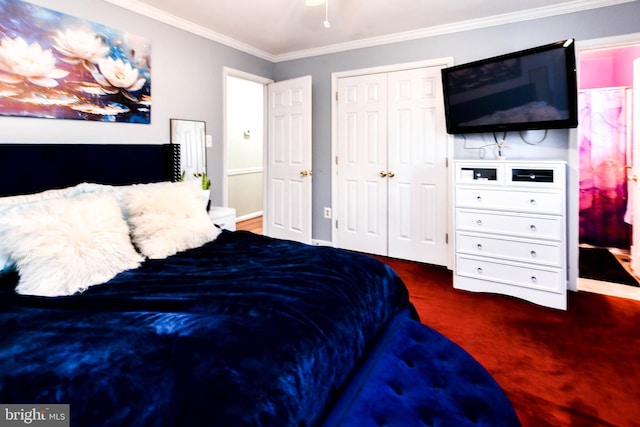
x=391, y=165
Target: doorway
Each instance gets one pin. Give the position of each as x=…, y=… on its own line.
x=267, y=152
x=606, y=147
x=244, y=143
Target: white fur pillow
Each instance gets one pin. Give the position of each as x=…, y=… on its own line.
x=63, y=246
x=168, y=218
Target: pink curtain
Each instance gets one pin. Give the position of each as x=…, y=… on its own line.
x=603, y=157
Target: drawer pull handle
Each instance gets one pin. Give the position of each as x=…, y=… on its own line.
x=534, y=254
x=533, y=202
x=479, y=270
x=479, y=198
x=479, y=247
x=533, y=227
x=534, y=279
x=479, y=222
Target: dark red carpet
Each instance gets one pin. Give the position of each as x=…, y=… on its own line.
x=575, y=368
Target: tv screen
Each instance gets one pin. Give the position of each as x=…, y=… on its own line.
x=529, y=89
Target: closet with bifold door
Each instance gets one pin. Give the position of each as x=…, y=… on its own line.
x=391, y=165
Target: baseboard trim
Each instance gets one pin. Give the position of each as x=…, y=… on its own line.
x=249, y=216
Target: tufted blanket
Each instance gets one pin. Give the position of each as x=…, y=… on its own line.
x=243, y=331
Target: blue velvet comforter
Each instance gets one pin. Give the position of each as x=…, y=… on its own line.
x=244, y=331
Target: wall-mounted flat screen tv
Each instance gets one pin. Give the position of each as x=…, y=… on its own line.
x=530, y=89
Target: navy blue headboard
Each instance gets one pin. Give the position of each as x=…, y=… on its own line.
x=30, y=168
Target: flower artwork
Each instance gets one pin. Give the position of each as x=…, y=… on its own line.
x=54, y=65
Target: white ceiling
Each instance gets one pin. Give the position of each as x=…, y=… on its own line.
x=289, y=29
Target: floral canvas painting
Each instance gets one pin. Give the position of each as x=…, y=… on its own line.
x=53, y=65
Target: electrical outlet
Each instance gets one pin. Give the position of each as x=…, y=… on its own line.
x=327, y=213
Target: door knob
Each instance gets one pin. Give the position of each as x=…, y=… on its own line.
x=383, y=174
x=305, y=173
x=390, y=174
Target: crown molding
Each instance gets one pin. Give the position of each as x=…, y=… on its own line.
x=169, y=19
x=474, y=24
x=507, y=18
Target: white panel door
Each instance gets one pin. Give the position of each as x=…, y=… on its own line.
x=361, y=157
x=288, y=185
x=417, y=150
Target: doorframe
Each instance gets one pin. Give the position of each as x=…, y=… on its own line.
x=446, y=62
x=231, y=72
x=573, y=163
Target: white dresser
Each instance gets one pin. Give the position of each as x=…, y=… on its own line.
x=510, y=229
x=224, y=218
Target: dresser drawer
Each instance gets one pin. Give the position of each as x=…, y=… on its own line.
x=537, y=252
x=499, y=199
x=513, y=224
x=550, y=279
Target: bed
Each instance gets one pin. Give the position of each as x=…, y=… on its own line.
x=229, y=329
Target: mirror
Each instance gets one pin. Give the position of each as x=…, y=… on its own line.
x=190, y=136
